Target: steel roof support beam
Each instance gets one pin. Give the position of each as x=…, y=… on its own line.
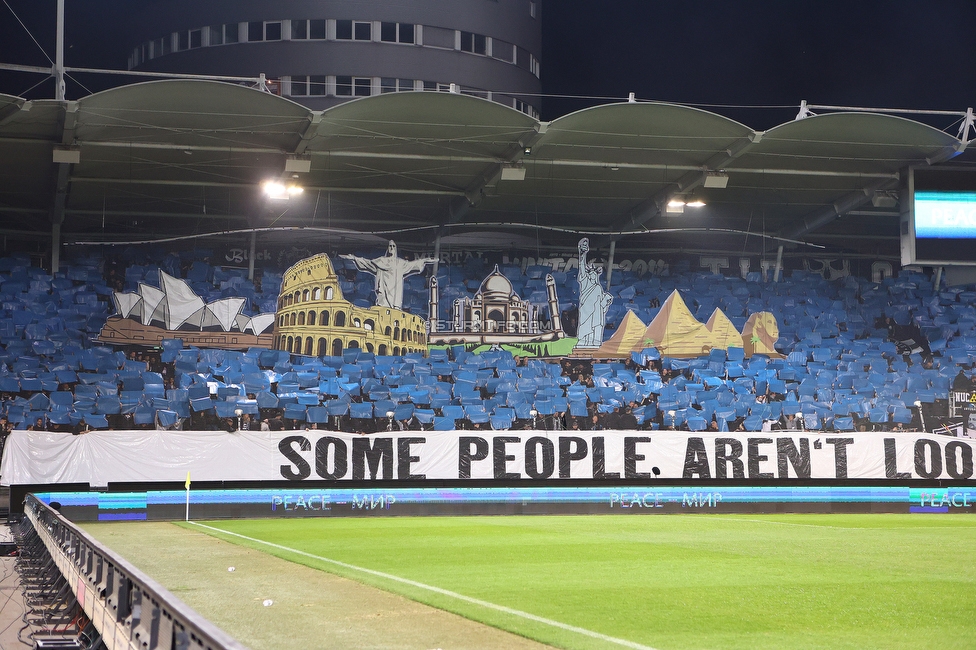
x=251, y=186
x=652, y=207
x=855, y=200
x=309, y=133
x=62, y=182
x=842, y=206
x=478, y=159
x=160, y=215
x=473, y=194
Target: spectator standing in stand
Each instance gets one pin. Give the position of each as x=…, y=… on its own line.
x=627, y=420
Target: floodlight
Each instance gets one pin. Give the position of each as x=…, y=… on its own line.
x=696, y=203
x=675, y=206
x=279, y=191
x=274, y=190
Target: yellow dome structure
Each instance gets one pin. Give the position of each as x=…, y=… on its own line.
x=313, y=318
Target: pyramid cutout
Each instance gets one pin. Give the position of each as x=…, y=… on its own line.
x=724, y=334
x=628, y=337
x=675, y=332
x=760, y=334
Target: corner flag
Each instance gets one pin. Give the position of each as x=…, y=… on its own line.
x=187, y=496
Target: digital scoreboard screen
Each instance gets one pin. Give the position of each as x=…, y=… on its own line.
x=943, y=217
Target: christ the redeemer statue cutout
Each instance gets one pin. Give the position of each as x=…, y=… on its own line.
x=389, y=271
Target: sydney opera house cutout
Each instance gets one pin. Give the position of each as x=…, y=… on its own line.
x=175, y=311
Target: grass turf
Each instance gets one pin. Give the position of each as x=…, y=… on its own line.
x=715, y=581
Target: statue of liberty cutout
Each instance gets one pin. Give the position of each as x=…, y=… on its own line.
x=593, y=301
x=389, y=271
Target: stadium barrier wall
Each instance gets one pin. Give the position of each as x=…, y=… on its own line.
x=130, y=610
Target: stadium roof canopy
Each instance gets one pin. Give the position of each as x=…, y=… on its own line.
x=174, y=158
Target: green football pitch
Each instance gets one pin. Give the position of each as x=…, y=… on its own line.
x=709, y=581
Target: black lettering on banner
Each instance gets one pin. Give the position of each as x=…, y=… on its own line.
x=787, y=454
x=466, y=455
x=302, y=469
x=340, y=465
x=722, y=459
x=500, y=459
x=599, y=461
x=840, y=455
x=631, y=458
x=372, y=451
x=567, y=454
x=404, y=459
x=935, y=453
x=952, y=469
x=532, y=460
x=755, y=457
x=891, y=461
x=696, y=460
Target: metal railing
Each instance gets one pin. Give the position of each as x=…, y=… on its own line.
x=130, y=610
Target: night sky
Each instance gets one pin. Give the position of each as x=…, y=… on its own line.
x=890, y=54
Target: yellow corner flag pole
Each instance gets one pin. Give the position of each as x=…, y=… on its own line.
x=188, y=496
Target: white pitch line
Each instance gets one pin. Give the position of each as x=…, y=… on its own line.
x=443, y=592
x=793, y=523
x=787, y=523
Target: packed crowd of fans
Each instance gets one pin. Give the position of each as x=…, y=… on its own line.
x=856, y=356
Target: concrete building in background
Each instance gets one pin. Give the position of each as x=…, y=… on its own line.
x=324, y=52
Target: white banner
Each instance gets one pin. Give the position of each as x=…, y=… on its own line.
x=100, y=458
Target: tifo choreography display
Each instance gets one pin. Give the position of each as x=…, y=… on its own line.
x=366, y=343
